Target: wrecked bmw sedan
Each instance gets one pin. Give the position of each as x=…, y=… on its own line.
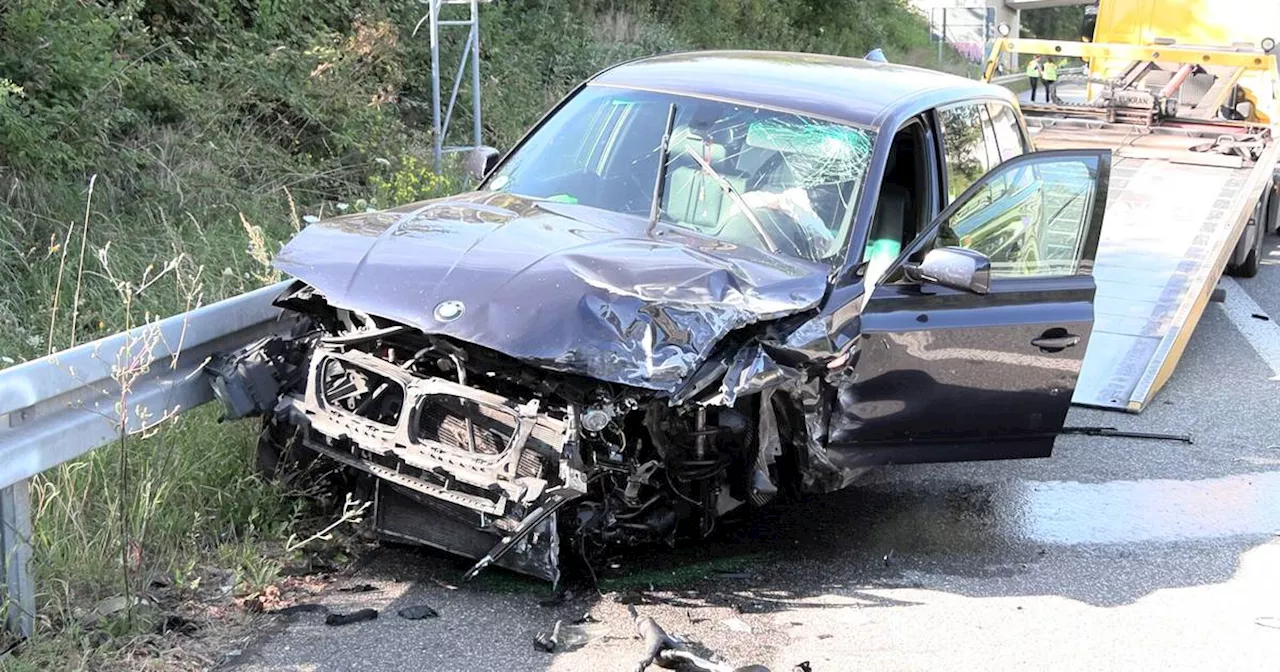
x=702, y=282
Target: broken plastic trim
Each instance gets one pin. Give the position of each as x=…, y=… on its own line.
x=553, y=502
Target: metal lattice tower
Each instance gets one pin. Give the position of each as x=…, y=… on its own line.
x=470, y=55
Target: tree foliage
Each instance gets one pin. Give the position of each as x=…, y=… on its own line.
x=1053, y=23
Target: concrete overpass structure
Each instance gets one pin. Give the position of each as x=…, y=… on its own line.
x=970, y=25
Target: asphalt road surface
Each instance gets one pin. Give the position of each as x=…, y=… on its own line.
x=1071, y=93
x=1115, y=554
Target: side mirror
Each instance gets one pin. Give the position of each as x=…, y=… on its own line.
x=954, y=267
x=480, y=161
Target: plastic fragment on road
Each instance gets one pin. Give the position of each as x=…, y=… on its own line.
x=418, y=612
x=670, y=653
x=353, y=617
x=564, y=637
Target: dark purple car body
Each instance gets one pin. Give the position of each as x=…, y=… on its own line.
x=702, y=282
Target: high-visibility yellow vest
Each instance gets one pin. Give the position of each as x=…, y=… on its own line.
x=1033, y=69
x=1050, y=71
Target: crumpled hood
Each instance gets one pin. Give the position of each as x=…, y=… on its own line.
x=564, y=287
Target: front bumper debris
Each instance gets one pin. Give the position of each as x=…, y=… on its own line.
x=457, y=468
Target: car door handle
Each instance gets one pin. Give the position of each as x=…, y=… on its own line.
x=1056, y=343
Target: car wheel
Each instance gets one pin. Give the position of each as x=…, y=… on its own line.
x=1273, y=209
x=1253, y=263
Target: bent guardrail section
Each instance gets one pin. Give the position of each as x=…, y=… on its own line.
x=59, y=407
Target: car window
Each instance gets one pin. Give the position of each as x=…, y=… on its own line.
x=989, y=138
x=1037, y=226
x=742, y=174
x=964, y=145
x=1009, y=138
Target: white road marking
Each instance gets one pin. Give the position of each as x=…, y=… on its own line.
x=1263, y=335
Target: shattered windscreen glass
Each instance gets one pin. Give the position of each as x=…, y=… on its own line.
x=761, y=178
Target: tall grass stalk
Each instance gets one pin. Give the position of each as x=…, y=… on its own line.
x=84, y=241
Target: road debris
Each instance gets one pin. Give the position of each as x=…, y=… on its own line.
x=564, y=637
x=418, y=612
x=671, y=653
x=736, y=625
x=656, y=640
x=353, y=617
x=546, y=641
x=359, y=588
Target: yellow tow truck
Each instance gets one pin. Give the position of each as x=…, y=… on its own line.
x=1187, y=99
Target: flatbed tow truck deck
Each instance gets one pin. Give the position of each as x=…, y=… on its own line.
x=1183, y=191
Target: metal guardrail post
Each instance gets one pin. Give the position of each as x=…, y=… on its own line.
x=15, y=559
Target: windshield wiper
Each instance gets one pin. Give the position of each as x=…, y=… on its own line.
x=655, y=207
x=742, y=202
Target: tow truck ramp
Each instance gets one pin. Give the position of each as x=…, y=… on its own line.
x=1170, y=228
x=1184, y=185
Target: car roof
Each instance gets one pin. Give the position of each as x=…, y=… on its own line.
x=839, y=88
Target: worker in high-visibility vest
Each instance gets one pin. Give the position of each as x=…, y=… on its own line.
x=1033, y=73
x=1049, y=73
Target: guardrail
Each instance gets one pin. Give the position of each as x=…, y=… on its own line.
x=59, y=407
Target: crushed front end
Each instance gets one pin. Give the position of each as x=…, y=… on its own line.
x=474, y=452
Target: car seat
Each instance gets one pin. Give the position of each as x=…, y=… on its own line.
x=889, y=223
x=692, y=196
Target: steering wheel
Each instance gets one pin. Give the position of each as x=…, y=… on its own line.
x=790, y=235
x=767, y=169
x=786, y=230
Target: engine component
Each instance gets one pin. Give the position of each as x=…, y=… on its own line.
x=245, y=380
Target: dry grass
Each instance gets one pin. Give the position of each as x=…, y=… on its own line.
x=168, y=524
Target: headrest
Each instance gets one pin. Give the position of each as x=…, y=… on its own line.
x=685, y=140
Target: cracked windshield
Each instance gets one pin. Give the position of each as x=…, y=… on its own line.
x=771, y=180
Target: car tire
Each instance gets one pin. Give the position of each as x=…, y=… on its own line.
x=1253, y=262
x=1273, y=208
